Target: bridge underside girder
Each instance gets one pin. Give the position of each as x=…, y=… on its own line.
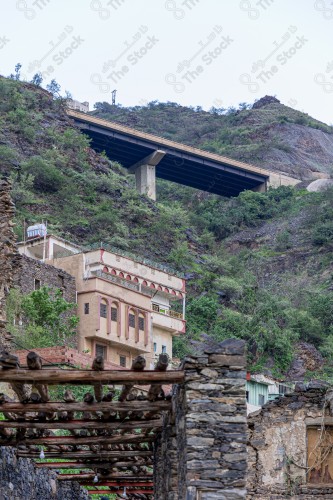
x=176, y=166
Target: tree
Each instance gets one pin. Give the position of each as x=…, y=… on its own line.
x=43, y=317
x=37, y=79
x=54, y=88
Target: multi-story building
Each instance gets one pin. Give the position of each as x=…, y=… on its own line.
x=126, y=305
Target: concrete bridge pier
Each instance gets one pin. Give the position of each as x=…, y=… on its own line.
x=145, y=173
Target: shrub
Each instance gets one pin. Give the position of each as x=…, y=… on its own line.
x=323, y=233
x=47, y=178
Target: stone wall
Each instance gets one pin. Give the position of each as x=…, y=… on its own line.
x=277, y=450
x=201, y=453
x=9, y=256
x=20, y=480
x=49, y=276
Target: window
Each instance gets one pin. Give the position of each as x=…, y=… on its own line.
x=131, y=320
x=155, y=347
x=141, y=323
x=103, y=311
x=283, y=389
x=86, y=308
x=164, y=349
x=122, y=361
x=100, y=350
x=114, y=313
x=37, y=284
x=247, y=396
x=261, y=399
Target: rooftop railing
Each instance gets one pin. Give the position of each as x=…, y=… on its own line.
x=167, y=312
x=141, y=260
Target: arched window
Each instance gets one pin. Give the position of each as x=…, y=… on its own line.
x=166, y=290
x=103, y=313
x=141, y=320
x=160, y=288
x=121, y=275
x=114, y=272
x=114, y=312
x=144, y=283
x=131, y=323
x=128, y=277
x=105, y=269
x=152, y=285
x=136, y=280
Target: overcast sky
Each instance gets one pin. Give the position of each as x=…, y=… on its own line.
x=194, y=52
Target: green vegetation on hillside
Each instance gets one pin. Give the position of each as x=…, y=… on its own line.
x=239, y=133
x=270, y=286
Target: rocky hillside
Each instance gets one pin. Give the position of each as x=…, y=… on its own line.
x=267, y=134
x=259, y=267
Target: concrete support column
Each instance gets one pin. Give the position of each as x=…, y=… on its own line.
x=145, y=178
x=145, y=173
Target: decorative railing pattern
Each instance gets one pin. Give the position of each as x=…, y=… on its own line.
x=167, y=312
x=142, y=260
x=117, y=280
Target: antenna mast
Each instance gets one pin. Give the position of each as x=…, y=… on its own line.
x=114, y=93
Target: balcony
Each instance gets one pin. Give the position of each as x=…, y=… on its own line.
x=167, y=312
x=115, y=279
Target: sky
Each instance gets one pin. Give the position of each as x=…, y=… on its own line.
x=193, y=52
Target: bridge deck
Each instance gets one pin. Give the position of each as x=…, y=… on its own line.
x=181, y=164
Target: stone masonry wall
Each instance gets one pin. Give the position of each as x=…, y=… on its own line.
x=201, y=453
x=277, y=448
x=9, y=256
x=49, y=276
x=20, y=480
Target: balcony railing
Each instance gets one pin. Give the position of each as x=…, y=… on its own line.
x=117, y=280
x=167, y=312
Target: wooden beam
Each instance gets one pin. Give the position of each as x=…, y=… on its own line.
x=85, y=454
x=122, y=484
x=58, y=440
x=113, y=406
x=132, y=491
x=113, y=475
x=90, y=465
x=84, y=424
x=84, y=377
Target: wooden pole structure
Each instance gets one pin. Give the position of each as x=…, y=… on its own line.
x=84, y=377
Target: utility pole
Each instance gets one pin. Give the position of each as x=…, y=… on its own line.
x=113, y=93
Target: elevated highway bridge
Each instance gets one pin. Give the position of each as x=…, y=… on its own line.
x=149, y=156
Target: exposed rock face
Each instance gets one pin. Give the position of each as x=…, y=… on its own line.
x=9, y=256
x=307, y=358
x=264, y=101
x=319, y=185
x=19, y=480
x=279, y=444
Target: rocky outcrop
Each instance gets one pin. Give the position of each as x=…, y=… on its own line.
x=9, y=256
x=264, y=101
x=307, y=359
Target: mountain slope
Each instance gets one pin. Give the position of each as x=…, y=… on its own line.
x=270, y=135
x=259, y=266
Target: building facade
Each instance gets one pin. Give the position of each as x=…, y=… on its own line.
x=260, y=389
x=126, y=306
